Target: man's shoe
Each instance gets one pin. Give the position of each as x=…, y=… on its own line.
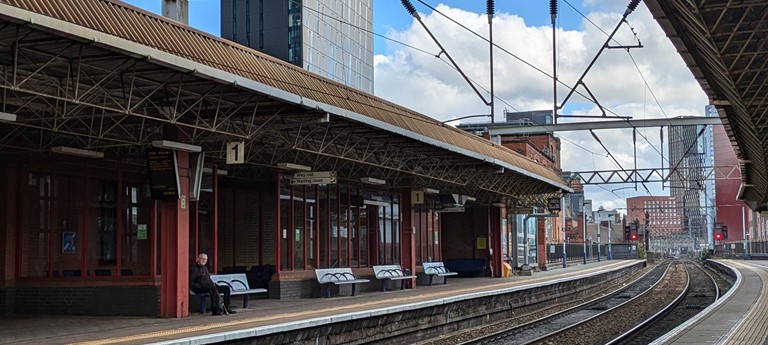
x=216, y=312
x=231, y=311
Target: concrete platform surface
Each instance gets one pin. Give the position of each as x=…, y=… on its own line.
x=265, y=315
x=740, y=316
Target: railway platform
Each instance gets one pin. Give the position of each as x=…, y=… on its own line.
x=738, y=317
x=265, y=316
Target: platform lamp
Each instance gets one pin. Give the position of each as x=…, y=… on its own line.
x=7, y=117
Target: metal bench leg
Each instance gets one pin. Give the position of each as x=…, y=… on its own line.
x=430, y=279
x=353, y=289
x=446, y=280
x=383, y=285
x=402, y=284
x=245, y=301
x=327, y=290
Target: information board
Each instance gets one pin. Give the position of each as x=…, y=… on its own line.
x=163, y=174
x=315, y=177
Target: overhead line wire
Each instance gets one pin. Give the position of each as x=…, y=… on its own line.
x=521, y=60
x=653, y=94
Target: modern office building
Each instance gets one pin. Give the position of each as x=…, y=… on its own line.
x=333, y=38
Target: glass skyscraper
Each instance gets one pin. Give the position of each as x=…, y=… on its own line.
x=333, y=38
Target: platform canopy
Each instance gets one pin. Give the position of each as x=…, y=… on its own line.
x=103, y=75
x=725, y=44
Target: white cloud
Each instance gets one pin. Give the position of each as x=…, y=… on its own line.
x=428, y=85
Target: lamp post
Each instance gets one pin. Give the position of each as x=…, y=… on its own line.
x=598, y=240
x=610, y=255
x=584, y=228
x=562, y=211
x=743, y=233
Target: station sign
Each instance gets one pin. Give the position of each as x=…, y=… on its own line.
x=312, y=178
x=553, y=204
x=236, y=152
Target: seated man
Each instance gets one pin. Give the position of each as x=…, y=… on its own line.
x=200, y=282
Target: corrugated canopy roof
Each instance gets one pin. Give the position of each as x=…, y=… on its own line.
x=136, y=25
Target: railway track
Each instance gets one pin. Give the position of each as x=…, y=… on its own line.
x=653, y=305
x=702, y=291
x=565, y=324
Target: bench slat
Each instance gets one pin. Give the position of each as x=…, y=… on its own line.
x=342, y=282
x=399, y=278
x=245, y=292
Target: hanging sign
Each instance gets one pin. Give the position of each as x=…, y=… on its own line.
x=314, y=177
x=417, y=197
x=236, y=152
x=163, y=174
x=553, y=204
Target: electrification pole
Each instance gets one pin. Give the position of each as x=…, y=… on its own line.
x=584, y=228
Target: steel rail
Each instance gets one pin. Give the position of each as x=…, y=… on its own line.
x=490, y=338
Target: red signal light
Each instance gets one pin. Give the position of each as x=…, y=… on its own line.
x=633, y=237
x=718, y=236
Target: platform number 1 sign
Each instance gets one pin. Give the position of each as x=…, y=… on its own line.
x=236, y=152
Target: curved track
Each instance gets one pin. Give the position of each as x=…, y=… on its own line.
x=701, y=291
x=558, y=326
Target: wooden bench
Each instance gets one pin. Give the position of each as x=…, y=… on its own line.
x=437, y=268
x=391, y=272
x=238, y=285
x=337, y=276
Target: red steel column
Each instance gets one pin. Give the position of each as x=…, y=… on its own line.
x=174, y=260
x=541, y=242
x=496, y=234
x=408, y=239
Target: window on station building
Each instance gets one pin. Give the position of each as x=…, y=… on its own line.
x=327, y=226
x=70, y=226
x=135, y=246
x=427, y=223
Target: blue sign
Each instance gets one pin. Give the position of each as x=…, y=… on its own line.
x=68, y=242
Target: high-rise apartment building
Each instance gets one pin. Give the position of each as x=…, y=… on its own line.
x=689, y=150
x=333, y=38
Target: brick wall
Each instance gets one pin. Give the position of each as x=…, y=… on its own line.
x=460, y=232
x=244, y=212
x=87, y=300
x=303, y=284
